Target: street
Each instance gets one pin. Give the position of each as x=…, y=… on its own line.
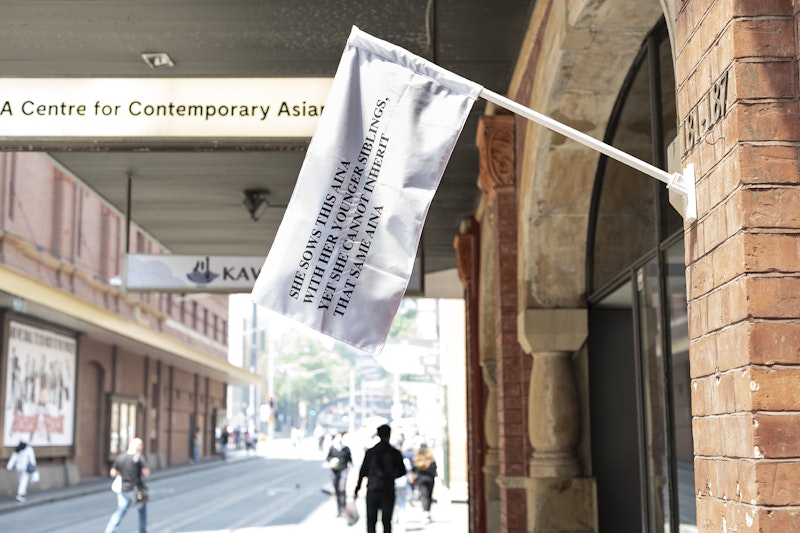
x=246, y=493
x=277, y=490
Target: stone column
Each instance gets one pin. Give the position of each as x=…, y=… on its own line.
x=743, y=265
x=559, y=499
x=491, y=467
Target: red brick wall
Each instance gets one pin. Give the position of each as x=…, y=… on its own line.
x=182, y=399
x=132, y=375
x=129, y=372
x=64, y=235
x=53, y=230
x=90, y=417
x=744, y=264
x=495, y=140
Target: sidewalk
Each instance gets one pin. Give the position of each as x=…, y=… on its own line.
x=447, y=518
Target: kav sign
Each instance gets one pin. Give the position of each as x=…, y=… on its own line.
x=164, y=107
x=191, y=273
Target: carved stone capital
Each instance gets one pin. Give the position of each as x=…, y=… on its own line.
x=495, y=140
x=546, y=330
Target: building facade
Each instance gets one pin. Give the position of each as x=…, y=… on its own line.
x=630, y=371
x=85, y=365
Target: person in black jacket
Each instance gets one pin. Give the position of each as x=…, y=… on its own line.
x=339, y=459
x=382, y=464
x=132, y=467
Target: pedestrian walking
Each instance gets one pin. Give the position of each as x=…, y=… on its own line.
x=248, y=442
x=23, y=460
x=339, y=460
x=382, y=464
x=132, y=469
x=196, y=448
x=223, y=442
x=424, y=467
x=319, y=434
x=403, y=491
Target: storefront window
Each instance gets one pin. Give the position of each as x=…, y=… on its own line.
x=654, y=395
x=666, y=391
x=680, y=384
x=122, y=424
x=627, y=197
x=635, y=241
x=671, y=220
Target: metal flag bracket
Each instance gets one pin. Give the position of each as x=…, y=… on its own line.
x=682, y=183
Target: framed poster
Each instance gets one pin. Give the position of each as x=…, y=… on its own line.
x=40, y=387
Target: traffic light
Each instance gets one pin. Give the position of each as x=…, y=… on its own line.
x=272, y=401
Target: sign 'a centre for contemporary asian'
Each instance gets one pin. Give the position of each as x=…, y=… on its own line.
x=166, y=107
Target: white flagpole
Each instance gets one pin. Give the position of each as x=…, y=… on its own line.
x=682, y=183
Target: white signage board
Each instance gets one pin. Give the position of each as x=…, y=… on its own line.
x=40, y=387
x=191, y=273
x=161, y=107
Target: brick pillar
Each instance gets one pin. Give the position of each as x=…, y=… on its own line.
x=467, y=247
x=738, y=103
x=495, y=140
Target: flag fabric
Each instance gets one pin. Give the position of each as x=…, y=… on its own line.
x=345, y=249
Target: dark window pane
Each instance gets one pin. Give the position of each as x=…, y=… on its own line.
x=681, y=382
x=625, y=220
x=654, y=397
x=671, y=219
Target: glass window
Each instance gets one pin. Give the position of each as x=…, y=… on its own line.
x=681, y=382
x=635, y=240
x=122, y=425
x=653, y=399
x=671, y=220
x=625, y=227
x=666, y=391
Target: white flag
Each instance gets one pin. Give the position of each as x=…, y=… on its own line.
x=344, y=251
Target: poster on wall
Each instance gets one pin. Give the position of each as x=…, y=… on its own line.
x=40, y=387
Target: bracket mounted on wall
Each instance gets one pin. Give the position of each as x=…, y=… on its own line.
x=682, y=183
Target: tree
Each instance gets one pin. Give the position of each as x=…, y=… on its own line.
x=404, y=323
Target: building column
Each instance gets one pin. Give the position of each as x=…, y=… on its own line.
x=495, y=140
x=491, y=466
x=559, y=499
x=467, y=250
x=743, y=260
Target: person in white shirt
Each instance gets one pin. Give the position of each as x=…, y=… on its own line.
x=23, y=460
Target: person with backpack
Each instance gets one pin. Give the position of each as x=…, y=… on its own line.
x=383, y=463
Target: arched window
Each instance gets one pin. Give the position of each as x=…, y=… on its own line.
x=637, y=307
x=630, y=212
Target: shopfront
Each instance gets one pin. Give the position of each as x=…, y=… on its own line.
x=639, y=380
